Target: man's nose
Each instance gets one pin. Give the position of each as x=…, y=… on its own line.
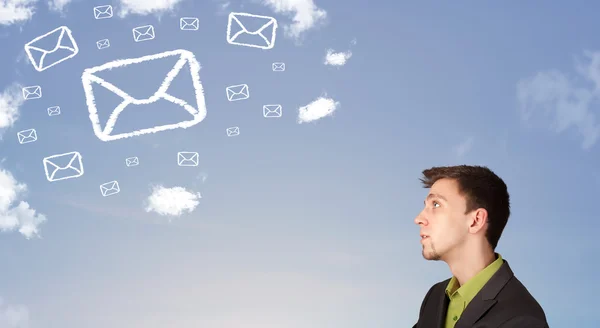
x=420, y=219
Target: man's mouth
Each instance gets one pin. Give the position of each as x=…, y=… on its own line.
x=424, y=236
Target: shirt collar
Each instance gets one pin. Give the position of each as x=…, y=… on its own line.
x=474, y=285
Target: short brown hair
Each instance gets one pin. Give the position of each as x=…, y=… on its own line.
x=481, y=188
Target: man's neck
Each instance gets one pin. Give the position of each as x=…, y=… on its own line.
x=469, y=264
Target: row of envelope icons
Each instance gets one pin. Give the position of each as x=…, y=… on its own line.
x=70, y=165
x=30, y=135
x=234, y=93
x=106, y=11
x=60, y=45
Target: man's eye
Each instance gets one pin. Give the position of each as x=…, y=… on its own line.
x=435, y=204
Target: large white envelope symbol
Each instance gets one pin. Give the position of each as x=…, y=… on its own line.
x=272, y=110
x=27, y=136
x=278, y=67
x=63, y=166
x=187, y=158
x=132, y=161
x=233, y=131
x=189, y=23
x=256, y=37
x=143, y=33
x=198, y=110
x=58, y=44
x=237, y=92
x=102, y=12
x=110, y=188
x=103, y=44
x=32, y=92
x=53, y=111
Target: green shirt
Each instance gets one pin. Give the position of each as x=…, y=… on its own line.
x=461, y=296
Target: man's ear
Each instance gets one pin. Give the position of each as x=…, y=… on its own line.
x=478, y=220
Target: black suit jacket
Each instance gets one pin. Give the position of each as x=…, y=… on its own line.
x=503, y=302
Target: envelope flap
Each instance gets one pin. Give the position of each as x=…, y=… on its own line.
x=48, y=42
x=116, y=76
x=252, y=24
x=65, y=161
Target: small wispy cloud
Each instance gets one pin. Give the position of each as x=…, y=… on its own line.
x=172, y=201
x=58, y=5
x=306, y=15
x=15, y=213
x=13, y=316
x=464, y=147
x=319, y=108
x=552, y=94
x=16, y=11
x=146, y=7
x=337, y=58
x=10, y=102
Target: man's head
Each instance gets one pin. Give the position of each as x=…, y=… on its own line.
x=466, y=206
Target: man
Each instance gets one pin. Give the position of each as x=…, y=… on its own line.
x=465, y=213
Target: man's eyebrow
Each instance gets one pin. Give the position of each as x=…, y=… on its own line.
x=430, y=196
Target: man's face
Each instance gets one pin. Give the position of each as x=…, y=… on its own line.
x=443, y=221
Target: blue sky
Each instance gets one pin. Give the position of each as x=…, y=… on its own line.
x=298, y=224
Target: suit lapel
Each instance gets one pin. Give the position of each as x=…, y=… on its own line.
x=486, y=298
x=442, y=308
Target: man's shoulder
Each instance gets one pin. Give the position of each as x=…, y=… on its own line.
x=517, y=297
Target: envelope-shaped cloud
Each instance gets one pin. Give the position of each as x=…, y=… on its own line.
x=278, y=67
x=187, y=158
x=132, y=161
x=262, y=37
x=52, y=48
x=272, y=111
x=53, y=111
x=63, y=166
x=189, y=23
x=103, y=12
x=237, y=92
x=172, y=201
x=317, y=109
x=32, y=92
x=103, y=130
x=103, y=44
x=233, y=131
x=110, y=188
x=27, y=136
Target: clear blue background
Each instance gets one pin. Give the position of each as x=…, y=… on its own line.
x=302, y=224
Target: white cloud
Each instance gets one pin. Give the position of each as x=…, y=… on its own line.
x=172, y=201
x=13, y=316
x=306, y=15
x=464, y=147
x=337, y=58
x=10, y=101
x=145, y=7
x=58, y=5
x=317, y=109
x=15, y=215
x=552, y=93
x=15, y=11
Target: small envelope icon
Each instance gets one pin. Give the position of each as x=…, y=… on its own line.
x=278, y=67
x=27, y=136
x=103, y=44
x=263, y=37
x=233, y=131
x=143, y=33
x=187, y=158
x=189, y=23
x=110, y=188
x=132, y=161
x=102, y=12
x=272, y=110
x=237, y=92
x=185, y=59
x=63, y=166
x=51, y=48
x=53, y=111
x=32, y=92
